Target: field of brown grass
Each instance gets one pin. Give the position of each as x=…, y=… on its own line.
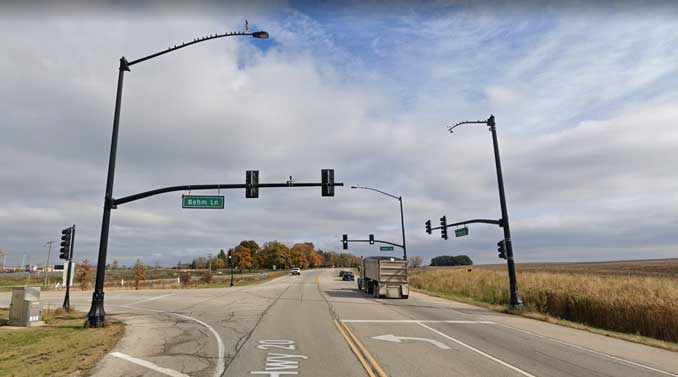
x=634, y=297
x=649, y=267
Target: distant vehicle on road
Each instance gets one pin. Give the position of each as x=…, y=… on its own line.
x=341, y=273
x=384, y=277
x=295, y=271
x=348, y=276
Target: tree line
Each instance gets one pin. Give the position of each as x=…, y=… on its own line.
x=248, y=254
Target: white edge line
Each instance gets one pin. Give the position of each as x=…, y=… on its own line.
x=478, y=351
x=149, y=365
x=220, y=344
x=590, y=350
x=413, y=321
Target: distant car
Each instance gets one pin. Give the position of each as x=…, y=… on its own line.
x=348, y=276
x=295, y=271
x=341, y=273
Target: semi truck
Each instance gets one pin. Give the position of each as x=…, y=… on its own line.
x=384, y=277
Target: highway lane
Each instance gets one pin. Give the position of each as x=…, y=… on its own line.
x=506, y=346
x=317, y=325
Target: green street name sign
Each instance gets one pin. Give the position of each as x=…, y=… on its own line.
x=385, y=248
x=202, y=201
x=461, y=232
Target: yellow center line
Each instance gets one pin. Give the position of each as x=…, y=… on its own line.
x=369, y=357
x=355, y=351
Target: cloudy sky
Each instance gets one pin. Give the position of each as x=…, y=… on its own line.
x=585, y=101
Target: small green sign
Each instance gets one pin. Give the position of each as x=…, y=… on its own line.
x=202, y=201
x=385, y=248
x=461, y=232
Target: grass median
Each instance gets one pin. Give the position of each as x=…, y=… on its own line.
x=637, y=308
x=62, y=347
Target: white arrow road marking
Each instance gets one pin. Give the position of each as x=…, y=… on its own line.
x=149, y=365
x=399, y=339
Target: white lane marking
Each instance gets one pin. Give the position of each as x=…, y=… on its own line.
x=220, y=344
x=592, y=351
x=149, y=299
x=149, y=365
x=478, y=351
x=412, y=321
x=399, y=339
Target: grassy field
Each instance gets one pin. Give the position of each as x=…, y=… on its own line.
x=61, y=348
x=633, y=297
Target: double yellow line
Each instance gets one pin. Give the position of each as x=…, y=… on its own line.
x=371, y=366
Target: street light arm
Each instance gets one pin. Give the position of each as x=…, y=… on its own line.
x=379, y=191
x=256, y=34
x=450, y=128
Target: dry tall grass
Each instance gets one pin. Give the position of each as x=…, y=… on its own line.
x=645, y=306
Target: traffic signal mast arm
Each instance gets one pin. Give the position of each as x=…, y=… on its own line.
x=163, y=190
x=378, y=241
x=484, y=221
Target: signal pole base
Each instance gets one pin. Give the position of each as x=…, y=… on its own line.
x=516, y=301
x=96, y=316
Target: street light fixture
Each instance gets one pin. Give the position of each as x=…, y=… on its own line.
x=515, y=300
x=96, y=315
x=402, y=218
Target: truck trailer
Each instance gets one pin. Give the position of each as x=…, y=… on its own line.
x=384, y=277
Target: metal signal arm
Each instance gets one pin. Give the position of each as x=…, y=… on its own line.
x=379, y=241
x=499, y=223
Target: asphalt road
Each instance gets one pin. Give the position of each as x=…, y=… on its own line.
x=317, y=325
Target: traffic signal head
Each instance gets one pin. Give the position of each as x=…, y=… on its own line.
x=371, y=239
x=428, y=226
x=251, y=181
x=65, y=250
x=344, y=241
x=443, y=227
x=327, y=178
x=501, y=248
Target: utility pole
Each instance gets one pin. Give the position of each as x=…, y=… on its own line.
x=49, y=254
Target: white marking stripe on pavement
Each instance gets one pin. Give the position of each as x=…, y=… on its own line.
x=149, y=299
x=220, y=344
x=592, y=351
x=478, y=351
x=149, y=365
x=411, y=321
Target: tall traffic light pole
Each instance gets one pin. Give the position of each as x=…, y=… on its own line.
x=96, y=315
x=402, y=218
x=66, y=252
x=515, y=300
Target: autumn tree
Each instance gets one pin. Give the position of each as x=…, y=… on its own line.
x=139, y=273
x=299, y=254
x=273, y=253
x=242, y=257
x=254, y=248
x=84, y=274
x=219, y=263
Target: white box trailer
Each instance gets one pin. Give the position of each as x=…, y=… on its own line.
x=384, y=277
